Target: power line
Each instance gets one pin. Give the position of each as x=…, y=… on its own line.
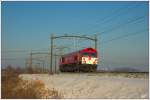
x=20, y=50
x=102, y=19
x=116, y=13
x=109, y=18
x=135, y=20
x=124, y=36
x=13, y=58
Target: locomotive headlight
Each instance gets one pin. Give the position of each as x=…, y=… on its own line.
x=96, y=61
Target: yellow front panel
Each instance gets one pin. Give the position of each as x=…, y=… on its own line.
x=86, y=60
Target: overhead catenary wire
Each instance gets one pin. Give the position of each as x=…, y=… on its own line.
x=124, y=36
x=119, y=12
x=13, y=58
x=135, y=20
x=116, y=14
x=21, y=51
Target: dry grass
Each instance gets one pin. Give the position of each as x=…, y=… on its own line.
x=34, y=89
x=15, y=88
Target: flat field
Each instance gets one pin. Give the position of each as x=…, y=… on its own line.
x=96, y=85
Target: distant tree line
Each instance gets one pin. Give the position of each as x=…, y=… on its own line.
x=20, y=70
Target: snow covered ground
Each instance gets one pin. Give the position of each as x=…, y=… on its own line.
x=94, y=85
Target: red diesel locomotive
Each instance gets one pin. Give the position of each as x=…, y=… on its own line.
x=83, y=60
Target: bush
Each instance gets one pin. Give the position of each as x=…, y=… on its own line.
x=15, y=88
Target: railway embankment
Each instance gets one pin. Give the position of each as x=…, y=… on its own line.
x=94, y=85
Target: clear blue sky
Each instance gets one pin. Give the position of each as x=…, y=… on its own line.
x=122, y=29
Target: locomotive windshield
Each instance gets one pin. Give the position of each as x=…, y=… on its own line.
x=89, y=54
x=85, y=54
x=93, y=54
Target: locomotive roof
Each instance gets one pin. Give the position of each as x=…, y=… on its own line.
x=83, y=50
x=89, y=49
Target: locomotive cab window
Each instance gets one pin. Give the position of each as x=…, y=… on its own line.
x=93, y=54
x=85, y=54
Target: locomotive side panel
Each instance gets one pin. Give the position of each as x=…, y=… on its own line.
x=69, y=59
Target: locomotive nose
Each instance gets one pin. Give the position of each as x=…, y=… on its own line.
x=89, y=57
x=89, y=60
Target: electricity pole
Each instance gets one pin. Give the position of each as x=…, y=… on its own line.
x=55, y=63
x=30, y=62
x=58, y=55
x=37, y=53
x=95, y=41
x=51, y=62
